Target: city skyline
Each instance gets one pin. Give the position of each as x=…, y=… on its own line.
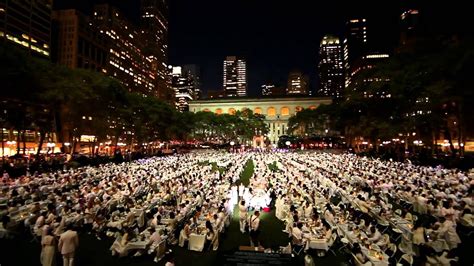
x=274, y=38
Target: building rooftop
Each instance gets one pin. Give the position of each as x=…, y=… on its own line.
x=269, y=98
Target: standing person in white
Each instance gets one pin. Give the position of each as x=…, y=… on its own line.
x=68, y=243
x=243, y=216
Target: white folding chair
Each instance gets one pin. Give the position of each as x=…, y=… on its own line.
x=407, y=258
x=357, y=262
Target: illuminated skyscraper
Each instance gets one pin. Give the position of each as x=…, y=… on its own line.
x=193, y=72
x=235, y=77
x=77, y=43
x=27, y=23
x=331, y=68
x=297, y=83
x=409, y=25
x=154, y=27
x=183, y=87
x=128, y=60
x=267, y=89
x=354, y=45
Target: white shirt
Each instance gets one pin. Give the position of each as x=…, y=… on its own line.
x=243, y=211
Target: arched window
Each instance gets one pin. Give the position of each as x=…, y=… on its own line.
x=271, y=111
x=285, y=111
x=298, y=109
x=312, y=107
x=206, y=110
x=258, y=110
x=218, y=111
x=231, y=111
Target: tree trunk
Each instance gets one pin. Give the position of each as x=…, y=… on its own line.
x=460, y=137
x=23, y=135
x=18, y=141
x=3, y=146
x=73, y=145
x=450, y=140
x=434, y=143
x=40, y=144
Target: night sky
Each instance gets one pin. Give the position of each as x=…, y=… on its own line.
x=275, y=37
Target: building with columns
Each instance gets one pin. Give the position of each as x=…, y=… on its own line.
x=277, y=110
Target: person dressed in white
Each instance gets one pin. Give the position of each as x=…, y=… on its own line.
x=68, y=243
x=243, y=216
x=254, y=227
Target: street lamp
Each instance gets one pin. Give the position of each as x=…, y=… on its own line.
x=288, y=143
x=232, y=143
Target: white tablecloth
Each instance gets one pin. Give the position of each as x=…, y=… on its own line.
x=196, y=242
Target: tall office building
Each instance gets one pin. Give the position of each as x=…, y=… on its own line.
x=331, y=67
x=235, y=77
x=194, y=74
x=297, y=83
x=355, y=45
x=183, y=87
x=127, y=59
x=271, y=90
x=409, y=25
x=154, y=27
x=267, y=89
x=76, y=41
x=27, y=23
x=366, y=62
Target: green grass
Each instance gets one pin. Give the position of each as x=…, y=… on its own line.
x=273, y=167
x=247, y=173
x=215, y=167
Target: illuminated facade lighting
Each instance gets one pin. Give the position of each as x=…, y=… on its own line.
x=331, y=67
x=182, y=84
x=235, y=77
x=297, y=83
x=27, y=24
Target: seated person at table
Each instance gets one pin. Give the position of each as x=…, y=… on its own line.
x=409, y=217
x=308, y=210
x=156, y=220
x=418, y=234
x=364, y=206
x=154, y=240
x=297, y=235
x=173, y=221
x=316, y=221
x=197, y=214
x=185, y=232
x=357, y=253
x=209, y=235
x=327, y=231
x=329, y=215
x=375, y=236
x=118, y=247
x=467, y=219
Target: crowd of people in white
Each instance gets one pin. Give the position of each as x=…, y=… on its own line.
x=323, y=197
x=367, y=204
